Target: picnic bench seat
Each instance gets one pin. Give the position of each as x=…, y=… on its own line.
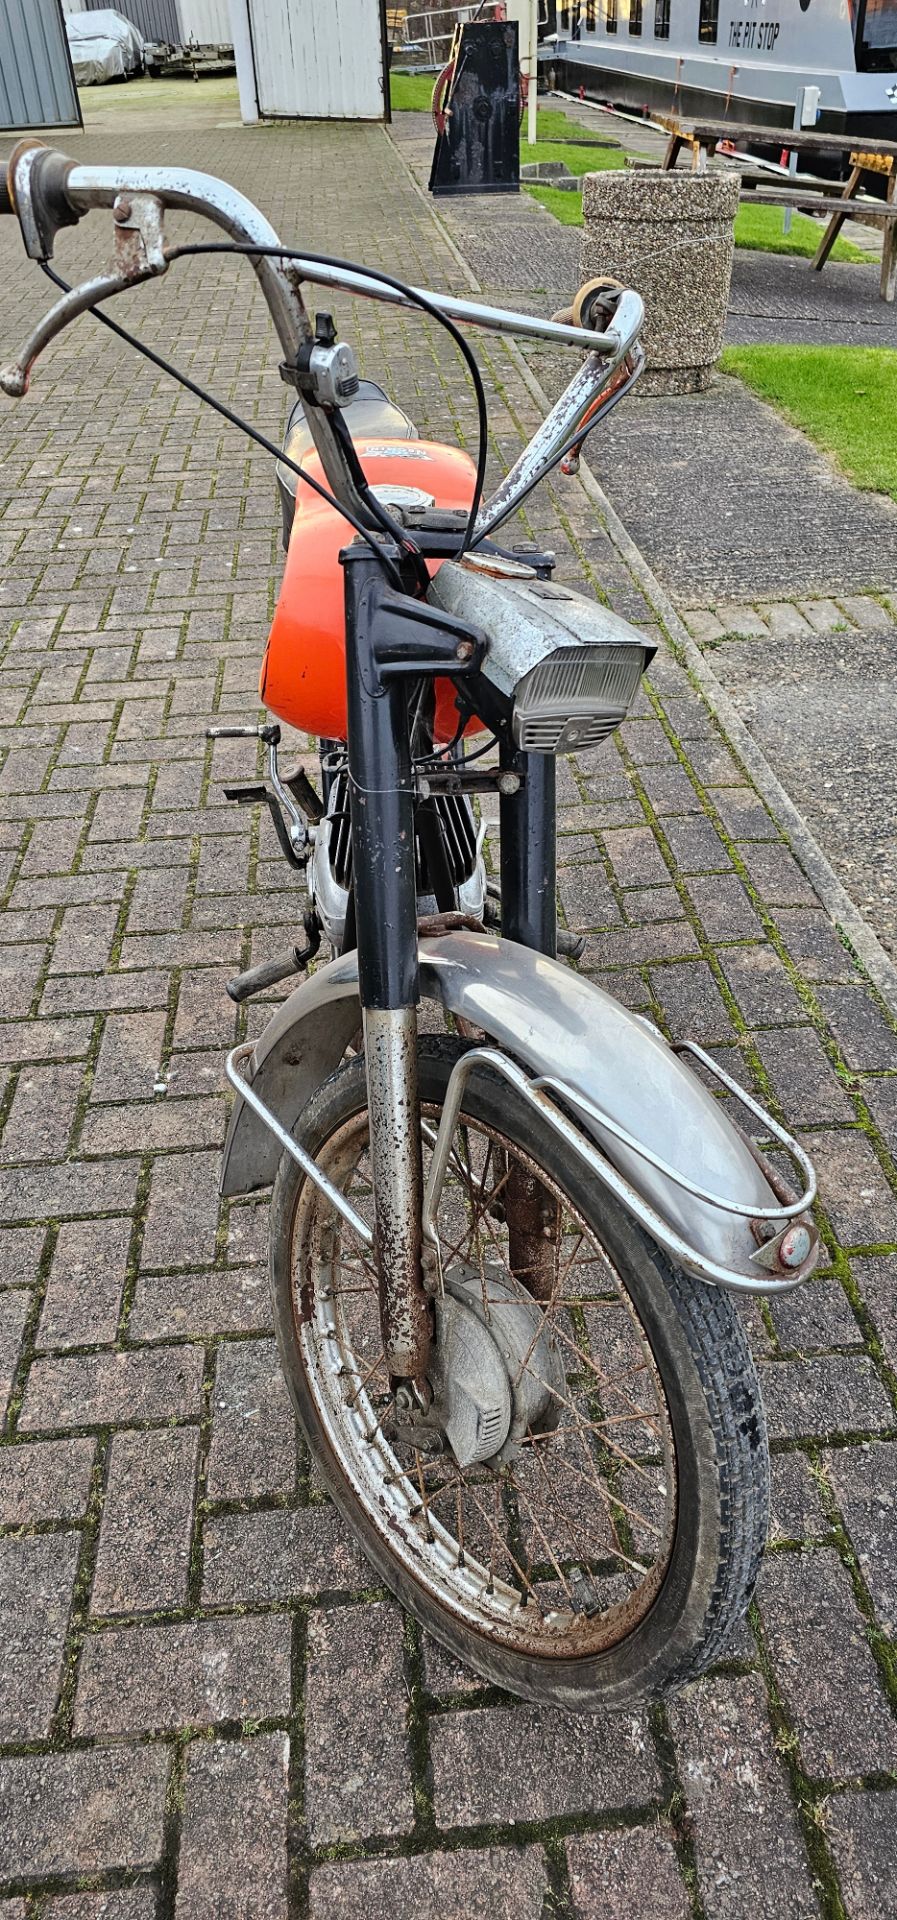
x=820, y=197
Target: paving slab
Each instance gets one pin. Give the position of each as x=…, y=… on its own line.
x=748, y=508
x=778, y=297
x=747, y=1845
x=863, y=1833
x=822, y=708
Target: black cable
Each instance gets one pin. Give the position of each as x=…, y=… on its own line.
x=409, y=293
x=435, y=760
x=375, y=506
x=478, y=752
x=235, y=420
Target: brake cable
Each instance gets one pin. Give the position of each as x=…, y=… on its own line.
x=415, y=298
x=376, y=507
x=236, y=420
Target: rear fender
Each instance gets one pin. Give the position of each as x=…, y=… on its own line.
x=552, y=1021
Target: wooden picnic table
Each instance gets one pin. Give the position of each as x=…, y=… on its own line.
x=873, y=157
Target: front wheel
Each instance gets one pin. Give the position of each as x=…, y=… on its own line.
x=603, y=1554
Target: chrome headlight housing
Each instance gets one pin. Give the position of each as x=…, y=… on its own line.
x=568, y=669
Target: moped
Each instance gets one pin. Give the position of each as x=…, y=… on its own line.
x=509, y=1220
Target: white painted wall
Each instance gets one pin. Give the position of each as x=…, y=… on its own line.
x=242, y=41
x=317, y=59
x=207, y=22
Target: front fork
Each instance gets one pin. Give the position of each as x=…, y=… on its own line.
x=381, y=790
x=528, y=825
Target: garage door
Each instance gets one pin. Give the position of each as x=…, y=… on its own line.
x=322, y=60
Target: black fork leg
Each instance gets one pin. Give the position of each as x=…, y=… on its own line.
x=382, y=807
x=528, y=822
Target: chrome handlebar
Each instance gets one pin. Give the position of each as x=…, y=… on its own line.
x=139, y=196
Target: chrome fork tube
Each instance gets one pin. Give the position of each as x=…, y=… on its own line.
x=390, y=1048
x=381, y=791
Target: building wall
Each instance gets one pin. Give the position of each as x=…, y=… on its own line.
x=318, y=59
x=36, y=84
x=206, y=22
x=155, y=19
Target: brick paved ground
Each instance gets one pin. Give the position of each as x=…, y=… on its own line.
x=206, y=1708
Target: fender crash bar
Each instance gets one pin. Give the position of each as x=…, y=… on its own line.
x=793, y=1246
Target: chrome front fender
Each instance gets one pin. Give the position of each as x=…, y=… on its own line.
x=557, y=1024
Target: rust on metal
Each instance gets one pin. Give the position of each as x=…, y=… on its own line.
x=431, y=925
x=533, y=1217
x=390, y=1046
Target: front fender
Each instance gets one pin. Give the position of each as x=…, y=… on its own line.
x=553, y=1021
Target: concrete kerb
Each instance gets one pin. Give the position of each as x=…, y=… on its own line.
x=841, y=909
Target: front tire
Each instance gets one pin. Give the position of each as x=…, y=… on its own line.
x=618, y=1573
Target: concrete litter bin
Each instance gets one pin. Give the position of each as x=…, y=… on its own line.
x=671, y=236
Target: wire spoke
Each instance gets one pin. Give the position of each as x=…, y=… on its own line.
x=376, y=1366
x=632, y=1513
x=574, y=1530
x=609, y=1380
x=504, y=1533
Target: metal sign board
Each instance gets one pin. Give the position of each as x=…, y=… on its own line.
x=478, y=147
x=37, y=84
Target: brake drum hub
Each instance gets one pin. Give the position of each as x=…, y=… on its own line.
x=496, y=1368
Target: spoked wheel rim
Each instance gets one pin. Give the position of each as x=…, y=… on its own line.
x=559, y=1552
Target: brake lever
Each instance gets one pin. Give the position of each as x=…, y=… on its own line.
x=623, y=382
x=139, y=255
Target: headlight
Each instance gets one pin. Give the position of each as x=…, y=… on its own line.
x=567, y=668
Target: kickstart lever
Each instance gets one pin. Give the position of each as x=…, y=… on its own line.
x=289, y=820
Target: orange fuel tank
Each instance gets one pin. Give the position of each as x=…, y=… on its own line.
x=303, y=678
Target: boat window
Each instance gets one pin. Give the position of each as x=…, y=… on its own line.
x=876, y=36
x=611, y=19
x=661, y=19
x=565, y=19
x=590, y=16
x=635, y=16
x=708, y=22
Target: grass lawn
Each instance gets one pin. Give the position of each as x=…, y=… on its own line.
x=562, y=202
x=176, y=97
x=413, y=92
x=575, y=159
x=760, y=228
x=845, y=398
x=756, y=228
